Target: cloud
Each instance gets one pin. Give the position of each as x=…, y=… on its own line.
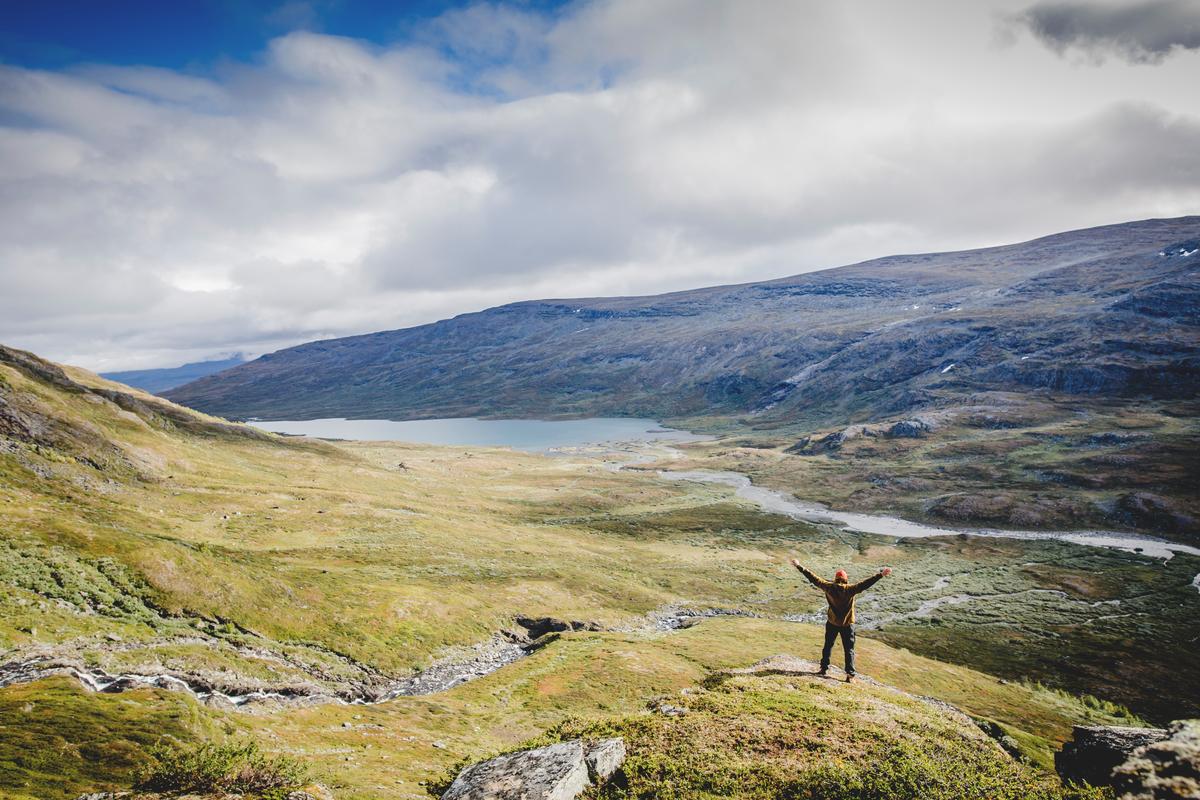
x=1142, y=32
x=332, y=186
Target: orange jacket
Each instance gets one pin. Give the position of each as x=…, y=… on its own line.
x=840, y=596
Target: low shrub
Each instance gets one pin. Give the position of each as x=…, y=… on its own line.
x=237, y=766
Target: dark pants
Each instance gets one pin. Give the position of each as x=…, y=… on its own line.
x=831, y=633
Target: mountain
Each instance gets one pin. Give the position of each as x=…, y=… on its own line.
x=1107, y=312
x=156, y=381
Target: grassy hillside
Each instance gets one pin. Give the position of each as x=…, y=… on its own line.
x=398, y=748
x=141, y=537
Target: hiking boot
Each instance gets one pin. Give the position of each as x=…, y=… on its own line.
x=850, y=678
x=822, y=673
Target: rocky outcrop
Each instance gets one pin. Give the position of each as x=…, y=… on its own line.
x=1166, y=770
x=913, y=428
x=556, y=772
x=1146, y=510
x=537, y=627
x=1095, y=751
x=830, y=443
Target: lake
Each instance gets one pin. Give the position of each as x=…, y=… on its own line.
x=521, y=434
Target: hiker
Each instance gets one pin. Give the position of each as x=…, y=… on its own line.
x=840, y=593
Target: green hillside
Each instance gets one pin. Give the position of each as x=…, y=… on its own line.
x=142, y=538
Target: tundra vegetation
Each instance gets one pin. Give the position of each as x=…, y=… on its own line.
x=142, y=538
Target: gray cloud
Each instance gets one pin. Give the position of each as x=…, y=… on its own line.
x=149, y=217
x=1142, y=32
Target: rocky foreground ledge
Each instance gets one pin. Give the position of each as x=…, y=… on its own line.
x=1139, y=763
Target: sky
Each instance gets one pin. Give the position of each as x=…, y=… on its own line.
x=186, y=180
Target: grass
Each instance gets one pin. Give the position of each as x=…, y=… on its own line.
x=57, y=740
x=287, y=561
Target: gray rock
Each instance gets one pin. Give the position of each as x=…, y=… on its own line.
x=909, y=429
x=1095, y=751
x=668, y=710
x=556, y=772
x=604, y=758
x=220, y=702
x=1166, y=770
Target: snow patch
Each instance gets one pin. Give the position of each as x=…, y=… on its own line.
x=947, y=368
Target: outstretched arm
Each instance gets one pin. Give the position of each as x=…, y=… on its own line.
x=862, y=586
x=813, y=579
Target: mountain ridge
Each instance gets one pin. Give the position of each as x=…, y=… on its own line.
x=162, y=379
x=1102, y=311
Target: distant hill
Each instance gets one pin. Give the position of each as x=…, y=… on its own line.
x=1107, y=312
x=156, y=381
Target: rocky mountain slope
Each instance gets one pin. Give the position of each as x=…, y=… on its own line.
x=1104, y=313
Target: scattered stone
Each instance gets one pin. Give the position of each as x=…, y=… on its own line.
x=668, y=710
x=220, y=702
x=1007, y=743
x=123, y=685
x=1095, y=751
x=1165, y=770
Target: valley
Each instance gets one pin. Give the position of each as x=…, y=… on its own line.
x=286, y=580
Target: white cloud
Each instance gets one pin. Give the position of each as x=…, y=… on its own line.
x=331, y=187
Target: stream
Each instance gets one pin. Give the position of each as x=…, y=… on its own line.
x=777, y=502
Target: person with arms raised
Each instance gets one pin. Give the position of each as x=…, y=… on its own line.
x=840, y=594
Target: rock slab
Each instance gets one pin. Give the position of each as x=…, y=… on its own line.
x=556, y=772
x=1095, y=751
x=1166, y=770
x=604, y=758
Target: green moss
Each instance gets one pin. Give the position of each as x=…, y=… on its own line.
x=57, y=740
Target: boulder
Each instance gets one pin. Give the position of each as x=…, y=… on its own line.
x=220, y=702
x=1095, y=751
x=556, y=772
x=1165, y=770
x=604, y=758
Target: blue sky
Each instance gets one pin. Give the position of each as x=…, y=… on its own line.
x=195, y=35
x=181, y=180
